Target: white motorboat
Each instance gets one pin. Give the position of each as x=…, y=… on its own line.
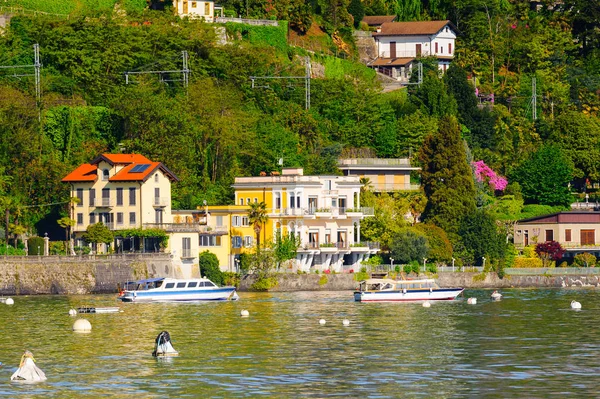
x=165, y=289
x=91, y=309
x=388, y=290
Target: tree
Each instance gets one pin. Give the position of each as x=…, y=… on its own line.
x=409, y=245
x=257, y=217
x=549, y=251
x=209, y=267
x=432, y=98
x=447, y=178
x=66, y=223
x=480, y=237
x=357, y=10
x=285, y=247
x=545, y=176
x=98, y=233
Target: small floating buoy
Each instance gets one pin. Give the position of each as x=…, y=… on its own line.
x=346, y=322
x=575, y=305
x=82, y=326
x=472, y=301
x=72, y=312
x=28, y=371
x=426, y=304
x=10, y=301
x=163, y=346
x=322, y=322
x=244, y=313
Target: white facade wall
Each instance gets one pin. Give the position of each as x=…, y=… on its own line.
x=195, y=9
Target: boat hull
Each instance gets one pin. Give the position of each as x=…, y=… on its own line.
x=442, y=294
x=217, y=294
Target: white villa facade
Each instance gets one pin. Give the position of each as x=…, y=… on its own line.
x=399, y=44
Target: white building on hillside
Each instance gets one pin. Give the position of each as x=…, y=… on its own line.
x=399, y=44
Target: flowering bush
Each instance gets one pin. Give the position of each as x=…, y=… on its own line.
x=485, y=173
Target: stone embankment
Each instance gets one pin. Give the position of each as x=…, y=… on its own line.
x=78, y=275
x=101, y=274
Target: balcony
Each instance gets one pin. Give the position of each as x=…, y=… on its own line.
x=213, y=230
x=105, y=203
x=175, y=227
x=160, y=202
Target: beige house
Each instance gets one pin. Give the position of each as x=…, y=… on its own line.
x=576, y=231
x=195, y=9
x=384, y=174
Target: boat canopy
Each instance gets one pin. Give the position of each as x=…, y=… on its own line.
x=146, y=281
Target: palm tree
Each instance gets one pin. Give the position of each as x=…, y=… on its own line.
x=257, y=217
x=366, y=184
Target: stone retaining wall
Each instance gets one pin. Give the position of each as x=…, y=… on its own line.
x=47, y=276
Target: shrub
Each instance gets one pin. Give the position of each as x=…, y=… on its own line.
x=209, y=267
x=35, y=246
x=323, y=280
x=264, y=284
x=522, y=262
x=584, y=260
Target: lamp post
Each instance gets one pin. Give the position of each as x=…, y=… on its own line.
x=483, y=257
x=424, y=264
x=237, y=265
x=453, y=264
x=392, y=261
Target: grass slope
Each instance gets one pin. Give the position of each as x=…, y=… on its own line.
x=70, y=6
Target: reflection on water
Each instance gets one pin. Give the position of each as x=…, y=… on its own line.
x=529, y=344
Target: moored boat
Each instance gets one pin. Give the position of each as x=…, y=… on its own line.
x=388, y=290
x=165, y=289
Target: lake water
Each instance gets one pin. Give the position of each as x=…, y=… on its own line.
x=531, y=344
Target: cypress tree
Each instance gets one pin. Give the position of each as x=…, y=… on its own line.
x=447, y=178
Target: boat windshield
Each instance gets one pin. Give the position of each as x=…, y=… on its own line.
x=143, y=285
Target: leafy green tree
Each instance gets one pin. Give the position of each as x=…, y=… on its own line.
x=432, y=97
x=357, y=10
x=98, y=233
x=480, y=237
x=285, y=247
x=447, y=178
x=209, y=267
x=409, y=245
x=545, y=176
x=257, y=217
x=440, y=247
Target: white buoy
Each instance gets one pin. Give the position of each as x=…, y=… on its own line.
x=575, y=305
x=346, y=322
x=244, y=313
x=322, y=322
x=28, y=371
x=472, y=301
x=72, y=312
x=9, y=301
x=82, y=326
x=426, y=304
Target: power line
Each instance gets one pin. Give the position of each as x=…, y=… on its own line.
x=37, y=66
x=306, y=77
x=184, y=71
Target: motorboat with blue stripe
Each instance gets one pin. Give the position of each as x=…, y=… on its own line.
x=388, y=290
x=164, y=289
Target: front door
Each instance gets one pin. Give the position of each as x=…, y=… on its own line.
x=392, y=49
x=418, y=48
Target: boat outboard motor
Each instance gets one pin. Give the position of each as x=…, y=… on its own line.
x=163, y=345
x=28, y=371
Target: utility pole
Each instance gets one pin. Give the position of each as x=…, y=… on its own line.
x=534, y=98
x=37, y=67
x=306, y=77
x=185, y=72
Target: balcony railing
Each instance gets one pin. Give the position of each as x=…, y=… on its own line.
x=160, y=201
x=174, y=227
x=333, y=212
x=105, y=203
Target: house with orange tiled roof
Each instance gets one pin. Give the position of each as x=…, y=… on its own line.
x=401, y=44
x=129, y=191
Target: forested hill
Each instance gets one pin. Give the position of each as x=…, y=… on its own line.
x=221, y=127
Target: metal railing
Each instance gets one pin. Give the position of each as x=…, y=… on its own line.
x=554, y=271
x=105, y=202
x=24, y=11
x=374, y=162
x=80, y=258
x=260, y=22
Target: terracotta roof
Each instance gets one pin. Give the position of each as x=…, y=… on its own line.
x=413, y=28
x=121, y=159
x=138, y=168
x=376, y=20
x=141, y=172
x=85, y=172
x=392, y=61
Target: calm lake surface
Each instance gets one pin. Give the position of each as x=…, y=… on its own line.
x=529, y=345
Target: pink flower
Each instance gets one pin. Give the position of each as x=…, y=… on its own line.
x=485, y=173
x=514, y=26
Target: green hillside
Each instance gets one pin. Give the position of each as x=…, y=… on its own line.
x=71, y=6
